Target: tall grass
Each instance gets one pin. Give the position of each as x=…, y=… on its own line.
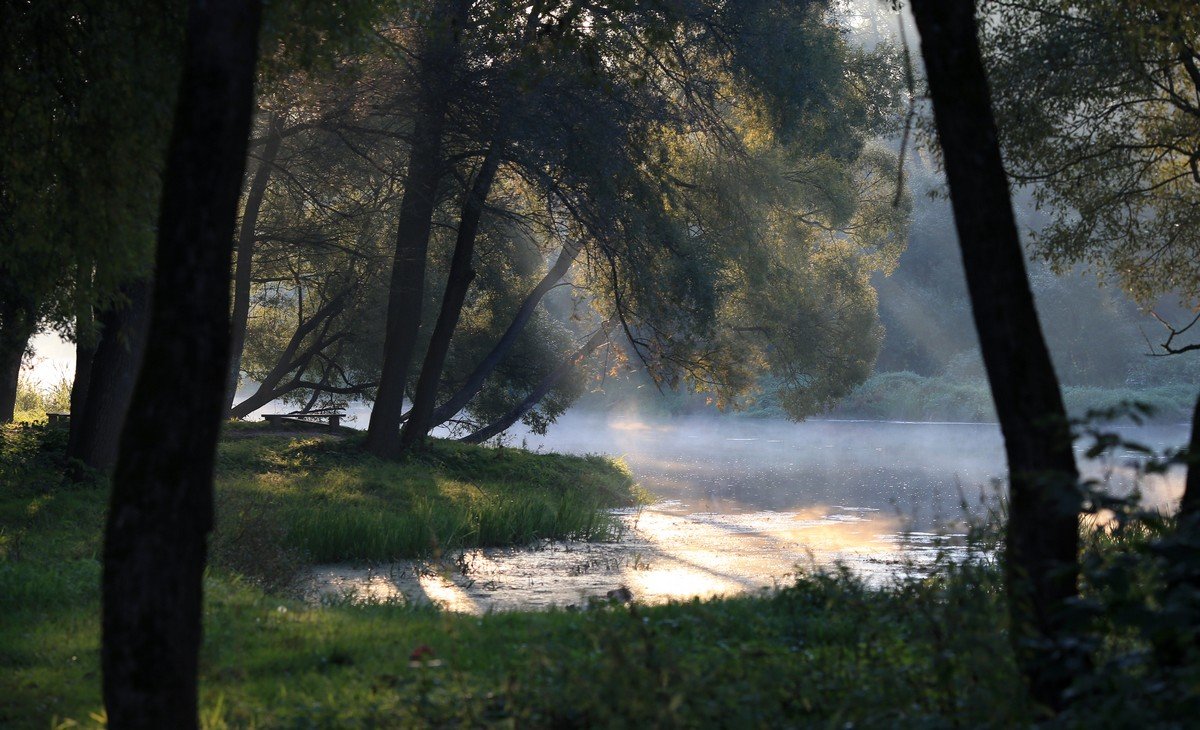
x=330, y=503
x=35, y=399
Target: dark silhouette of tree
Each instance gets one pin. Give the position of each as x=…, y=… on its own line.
x=1044, y=501
x=161, y=507
x=96, y=422
x=425, y=167
x=247, y=231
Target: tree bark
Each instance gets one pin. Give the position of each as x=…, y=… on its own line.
x=1044, y=499
x=17, y=324
x=85, y=353
x=245, y=256
x=161, y=508
x=502, y=424
x=458, y=282
x=407, y=289
x=115, y=366
x=488, y=364
x=1189, y=506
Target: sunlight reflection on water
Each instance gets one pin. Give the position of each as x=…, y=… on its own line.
x=743, y=503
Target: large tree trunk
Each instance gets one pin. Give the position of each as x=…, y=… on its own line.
x=488, y=364
x=457, y=283
x=10, y=373
x=17, y=324
x=1044, y=501
x=161, y=508
x=502, y=424
x=407, y=289
x=115, y=367
x=85, y=354
x=245, y=256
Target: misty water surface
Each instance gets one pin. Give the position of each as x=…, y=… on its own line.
x=741, y=503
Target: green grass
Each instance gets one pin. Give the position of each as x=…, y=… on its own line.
x=323, y=499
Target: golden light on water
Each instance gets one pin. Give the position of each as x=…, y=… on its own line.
x=665, y=556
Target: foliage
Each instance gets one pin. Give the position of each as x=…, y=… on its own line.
x=1098, y=104
x=717, y=152
x=79, y=166
x=36, y=399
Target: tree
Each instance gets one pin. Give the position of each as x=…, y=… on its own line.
x=1044, y=500
x=78, y=179
x=161, y=507
x=1111, y=143
x=1098, y=106
x=438, y=59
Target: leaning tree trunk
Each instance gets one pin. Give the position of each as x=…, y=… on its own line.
x=457, y=283
x=293, y=360
x=161, y=508
x=115, y=366
x=1044, y=501
x=245, y=256
x=502, y=424
x=407, y=289
x=488, y=364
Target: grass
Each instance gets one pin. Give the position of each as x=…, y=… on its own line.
x=323, y=499
x=828, y=651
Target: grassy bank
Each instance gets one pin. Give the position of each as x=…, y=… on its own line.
x=321, y=500
x=825, y=651
x=283, y=501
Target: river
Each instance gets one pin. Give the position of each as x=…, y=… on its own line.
x=741, y=505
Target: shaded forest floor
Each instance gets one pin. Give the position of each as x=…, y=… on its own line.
x=827, y=651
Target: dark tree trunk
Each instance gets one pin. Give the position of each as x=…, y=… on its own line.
x=161, y=507
x=475, y=380
x=407, y=289
x=1044, y=502
x=245, y=256
x=85, y=354
x=10, y=373
x=1189, y=506
x=457, y=283
x=16, y=327
x=115, y=367
x=502, y=424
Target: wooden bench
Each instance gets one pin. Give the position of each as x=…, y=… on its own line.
x=59, y=420
x=331, y=418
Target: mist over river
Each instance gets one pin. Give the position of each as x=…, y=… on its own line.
x=740, y=503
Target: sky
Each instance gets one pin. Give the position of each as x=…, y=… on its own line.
x=53, y=359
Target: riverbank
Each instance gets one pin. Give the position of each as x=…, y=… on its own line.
x=827, y=650
x=822, y=650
